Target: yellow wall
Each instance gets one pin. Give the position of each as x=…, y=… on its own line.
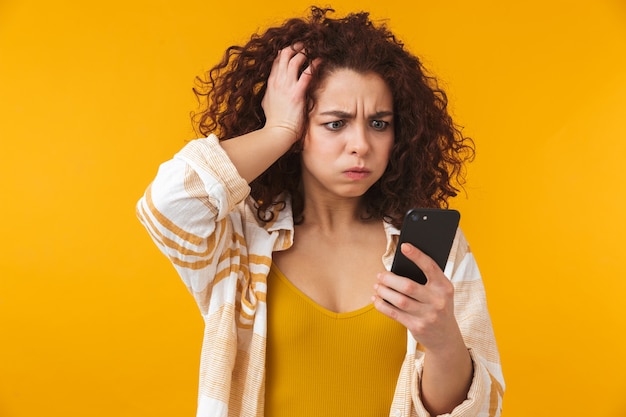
x=94, y=95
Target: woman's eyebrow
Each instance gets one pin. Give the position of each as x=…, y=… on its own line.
x=380, y=114
x=346, y=115
x=338, y=113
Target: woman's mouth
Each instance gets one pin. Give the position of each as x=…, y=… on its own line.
x=357, y=173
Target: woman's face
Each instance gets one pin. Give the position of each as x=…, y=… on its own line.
x=350, y=134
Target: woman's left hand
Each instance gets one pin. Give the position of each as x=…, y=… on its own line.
x=426, y=310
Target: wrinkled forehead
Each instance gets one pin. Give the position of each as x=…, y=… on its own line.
x=326, y=74
x=352, y=92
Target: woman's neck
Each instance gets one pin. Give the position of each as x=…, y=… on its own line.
x=330, y=216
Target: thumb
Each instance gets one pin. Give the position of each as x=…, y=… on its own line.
x=424, y=262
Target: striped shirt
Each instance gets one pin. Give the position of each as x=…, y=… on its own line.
x=199, y=213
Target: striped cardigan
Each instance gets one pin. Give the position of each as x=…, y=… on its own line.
x=199, y=213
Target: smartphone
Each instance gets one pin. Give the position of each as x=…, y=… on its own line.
x=430, y=230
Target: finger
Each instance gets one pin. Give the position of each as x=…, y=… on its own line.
x=286, y=66
x=305, y=78
x=297, y=47
x=391, y=311
x=423, y=261
x=393, y=297
x=295, y=64
x=400, y=291
x=286, y=55
x=281, y=63
x=309, y=69
x=281, y=73
x=385, y=307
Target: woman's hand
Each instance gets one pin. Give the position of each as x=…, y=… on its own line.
x=284, y=100
x=284, y=107
x=427, y=311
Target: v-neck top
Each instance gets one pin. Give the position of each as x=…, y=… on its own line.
x=324, y=363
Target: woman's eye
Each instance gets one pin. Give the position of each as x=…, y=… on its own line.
x=335, y=125
x=379, y=124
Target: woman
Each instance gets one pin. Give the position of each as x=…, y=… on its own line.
x=320, y=134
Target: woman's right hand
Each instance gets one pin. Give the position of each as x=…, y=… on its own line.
x=284, y=106
x=284, y=99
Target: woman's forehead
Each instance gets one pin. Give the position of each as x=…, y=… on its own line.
x=346, y=90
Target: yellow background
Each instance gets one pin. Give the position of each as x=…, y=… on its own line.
x=94, y=95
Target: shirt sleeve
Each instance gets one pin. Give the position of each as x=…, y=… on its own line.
x=484, y=398
x=185, y=208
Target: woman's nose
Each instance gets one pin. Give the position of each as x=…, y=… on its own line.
x=358, y=142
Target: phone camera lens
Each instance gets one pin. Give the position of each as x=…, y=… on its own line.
x=415, y=217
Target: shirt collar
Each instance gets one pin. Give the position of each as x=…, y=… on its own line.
x=283, y=224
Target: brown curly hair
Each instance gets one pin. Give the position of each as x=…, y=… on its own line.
x=426, y=165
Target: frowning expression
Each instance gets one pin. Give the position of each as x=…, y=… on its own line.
x=350, y=134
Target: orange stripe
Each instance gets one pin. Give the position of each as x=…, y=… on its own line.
x=287, y=240
x=494, y=396
x=203, y=263
x=244, y=321
x=223, y=273
x=190, y=265
x=243, y=325
x=260, y=260
x=144, y=219
x=210, y=242
x=246, y=315
x=258, y=278
x=168, y=224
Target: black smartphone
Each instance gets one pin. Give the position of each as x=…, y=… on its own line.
x=430, y=230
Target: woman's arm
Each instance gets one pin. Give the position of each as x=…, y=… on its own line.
x=284, y=106
x=428, y=312
x=459, y=370
x=185, y=207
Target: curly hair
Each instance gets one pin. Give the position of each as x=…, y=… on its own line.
x=426, y=165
